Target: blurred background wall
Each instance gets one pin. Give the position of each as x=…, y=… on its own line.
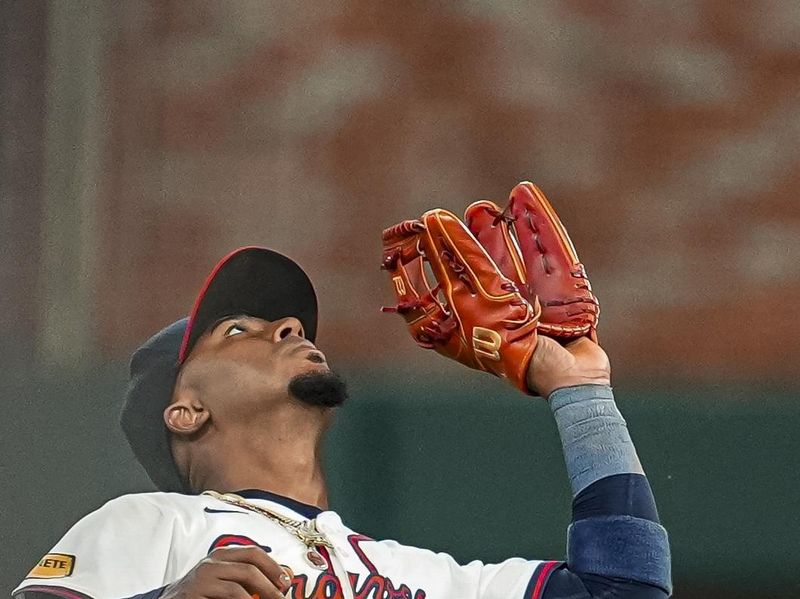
x=142, y=140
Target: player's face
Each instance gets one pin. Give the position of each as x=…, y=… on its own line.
x=244, y=361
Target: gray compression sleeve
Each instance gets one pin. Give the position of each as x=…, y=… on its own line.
x=594, y=435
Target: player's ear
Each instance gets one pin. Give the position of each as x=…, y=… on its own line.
x=186, y=414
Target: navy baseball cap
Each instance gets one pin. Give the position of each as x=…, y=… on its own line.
x=251, y=280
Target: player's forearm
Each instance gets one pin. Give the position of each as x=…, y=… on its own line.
x=615, y=531
x=594, y=436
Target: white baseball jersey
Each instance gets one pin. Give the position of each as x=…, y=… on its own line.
x=137, y=544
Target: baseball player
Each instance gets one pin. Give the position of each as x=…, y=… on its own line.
x=227, y=409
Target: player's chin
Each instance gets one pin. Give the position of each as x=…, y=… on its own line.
x=318, y=387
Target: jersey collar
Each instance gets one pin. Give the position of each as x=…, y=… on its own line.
x=304, y=509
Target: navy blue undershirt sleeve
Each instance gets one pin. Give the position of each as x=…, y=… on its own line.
x=618, y=495
x=564, y=584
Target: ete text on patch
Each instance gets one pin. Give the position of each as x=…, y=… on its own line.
x=53, y=565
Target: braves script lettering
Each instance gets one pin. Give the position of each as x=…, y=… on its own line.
x=326, y=586
x=373, y=586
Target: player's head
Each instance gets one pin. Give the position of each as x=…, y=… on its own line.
x=245, y=352
x=244, y=366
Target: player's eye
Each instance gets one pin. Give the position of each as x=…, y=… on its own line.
x=234, y=329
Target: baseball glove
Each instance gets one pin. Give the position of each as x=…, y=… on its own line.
x=474, y=314
x=531, y=247
x=501, y=279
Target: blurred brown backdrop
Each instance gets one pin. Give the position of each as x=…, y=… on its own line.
x=146, y=139
x=142, y=140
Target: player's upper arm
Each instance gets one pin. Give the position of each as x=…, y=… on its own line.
x=119, y=550
x=439, y=574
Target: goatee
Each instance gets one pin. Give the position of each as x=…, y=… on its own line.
x=322, y=388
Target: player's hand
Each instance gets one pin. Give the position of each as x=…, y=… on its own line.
x=554, y=366
x=232, y=573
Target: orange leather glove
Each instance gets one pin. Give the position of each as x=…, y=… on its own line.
x=483, y=308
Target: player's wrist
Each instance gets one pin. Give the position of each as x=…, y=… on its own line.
x=554, y=366
x=578, y=393
x=547, y=392
x=584, y=387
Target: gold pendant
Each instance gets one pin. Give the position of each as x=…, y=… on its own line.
x=308, y=533
x=316, y=559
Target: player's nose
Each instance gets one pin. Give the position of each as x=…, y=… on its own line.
x=283, y=328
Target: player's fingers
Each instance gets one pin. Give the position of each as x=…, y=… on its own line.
x=256, y=558
x=225, y=589
x=253, y=580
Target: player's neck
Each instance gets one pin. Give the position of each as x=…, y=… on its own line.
x=286, y=475
x=286, y=461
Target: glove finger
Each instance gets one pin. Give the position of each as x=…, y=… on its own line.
x=498, y=325
x=461, y=265
x=542, y=238
x=402, y=231
x=491, y=227
x=553, y=271
x=401, y=242
x=416, y=298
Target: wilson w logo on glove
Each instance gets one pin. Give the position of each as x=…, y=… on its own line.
x=486, y=343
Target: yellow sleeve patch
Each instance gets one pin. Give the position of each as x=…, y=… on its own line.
x=53, y=565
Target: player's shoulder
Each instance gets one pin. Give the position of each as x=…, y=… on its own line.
x=334, y=520
x=151, y=505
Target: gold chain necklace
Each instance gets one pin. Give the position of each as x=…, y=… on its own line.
x=306, y=531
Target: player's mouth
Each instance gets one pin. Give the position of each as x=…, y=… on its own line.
x=312, y=353
x=316, y=356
